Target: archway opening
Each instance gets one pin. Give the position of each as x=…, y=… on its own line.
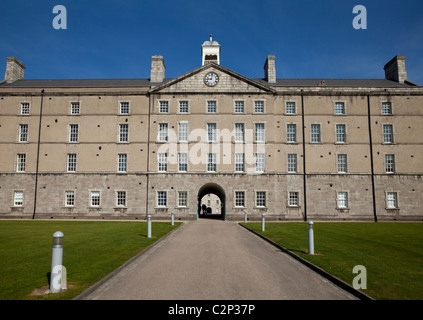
x=211, y=202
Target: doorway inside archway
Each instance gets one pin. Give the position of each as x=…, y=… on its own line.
x=211, y=202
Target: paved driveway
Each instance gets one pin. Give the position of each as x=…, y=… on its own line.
x=219, y=260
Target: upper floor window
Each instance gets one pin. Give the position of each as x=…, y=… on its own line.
x=389, y=163
x=292, y=163
x=71, y=167
x=163, y=132
x=259, y=132
x=75, y=108
x=182, y=162
x=183, y=131
x=239, y=107
x=388, y=133
x=342, y=163
x=25, y=108
x=291, y=133
x=211, y=106
x=387, y=108
x=122, y=162
x=290, y=107
x=124, y=108
x=315, y=133
x=183, y=107
x=258, y=106
x=239, y=132
x=339, y=108
x=123, y=132
x=211, y=162
x=260, y=162
x=162, y=162
x=340, y=133
x=73, y=132
x=239, y=162
x=163, y=106
x=211, y=132
x=21, y=162
x=23, y=133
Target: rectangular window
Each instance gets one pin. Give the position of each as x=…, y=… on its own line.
x=388, y=133
x=95, y=198
x=339, y=108
x=239, y=162
x=183, y=131
x=124, y=108
x=239, y=198
x=23, y=133
x=292, y=163
x=69, y=198
x=162, y=161
x=211, y=106
x=260, y=199
x=391, y=200
x=122, y=162
x=211, y=162
x=211, y=132
x=258, y=106
x=260, y=159
x=164, y=106
x=18, y=198
x=291, y=133
x=239, y=132
x=259, y=132
x=123, y=132
x=182, y=162
x=342, y=163
x=21, y=162
x=75, y=109
x=73, y=132
x=121, y=198
x=239, y=107
x=183, y=107
x=389, y=163
x=293, y=199
x=315, y=133
x=163, y=132
x=386, y=108
x=340, y=133
x=71, y=162
x=24, y=108
x=182, y=199
x=290, y=107
x=342, y=200
x=161, y=198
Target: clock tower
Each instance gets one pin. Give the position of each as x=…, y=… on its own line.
x=210, y=51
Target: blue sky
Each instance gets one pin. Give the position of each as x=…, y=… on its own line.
x=116, y=38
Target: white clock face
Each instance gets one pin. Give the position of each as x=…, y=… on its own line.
x=211, y=79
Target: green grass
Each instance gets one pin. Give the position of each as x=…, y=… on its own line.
x=391, y=252
x=91, y=251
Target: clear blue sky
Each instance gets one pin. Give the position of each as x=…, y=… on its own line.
x=116, y=38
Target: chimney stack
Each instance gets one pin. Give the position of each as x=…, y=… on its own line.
x=270, y=69
x=395, y=69
x=157, y=69
x=14, y=70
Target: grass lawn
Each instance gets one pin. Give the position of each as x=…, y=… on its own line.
x=391, y=252
x=92, y=249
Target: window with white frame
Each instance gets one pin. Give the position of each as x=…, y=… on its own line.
x=339, y=108
x=258, y=106
x=163, y=106
x=342, y=163
x=182, y=198
x=342, y=200
x=211, y=162
x=18, y=198
x=261, y=199
x=122, y=162
x=183, y=131
x=239, y=162
x=239, y=132
x=260, y=162
x=183, y=107
x=239, y=107
x=21, y=162
x=95, y=198
x=183, y=162
x=121, y=198
x=75, y=108
x=239, y=198
x=69, y=198
x=391, y=200
x=211, y=132
x=211, y=106
x=259, y=132
x=293, y=199
x=290, y=107
x=388, y=133
x=389, y=163
x=124, y=107
x=315, y=133
x=23, y=133
x=386, y=108
x=292, y=163
x=71, y=167
x=291, y=133
x=163, y=132
x=161, y=198
x=25, y=108
x=340, y=133
x=123, y=132
x=73, y=132
x=162, y=162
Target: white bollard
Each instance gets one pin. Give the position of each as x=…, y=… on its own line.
x=245, y=217
x=149, y=226
x=56, y=262
x=262, y=222
x=173, y=218
x=310, y=238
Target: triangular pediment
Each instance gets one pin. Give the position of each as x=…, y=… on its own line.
x=229, y=82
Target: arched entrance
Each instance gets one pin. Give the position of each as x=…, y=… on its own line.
x=210, y=209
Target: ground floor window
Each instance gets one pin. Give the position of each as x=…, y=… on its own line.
x=182, y=199
x=69, y=198
x=342, y=200
x=391, y=200
x=239, y=198
x=95, y=198
x=121, y=198
x=293, y=199
x=161, y=198
x=18, y=199
x=260, y=199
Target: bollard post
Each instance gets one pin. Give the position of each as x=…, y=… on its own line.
x=173, y=218
x=310, y=238
x=56, y=261
x=149, y=226
x=245, y=217
x=262, y=222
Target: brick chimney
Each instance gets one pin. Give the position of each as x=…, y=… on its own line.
x=270, y=69
x=14, y=70
x=395, y=69
x=157, y=69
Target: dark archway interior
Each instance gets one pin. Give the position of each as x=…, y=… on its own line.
x=212, y=188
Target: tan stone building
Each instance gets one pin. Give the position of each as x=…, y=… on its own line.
x=293, y=149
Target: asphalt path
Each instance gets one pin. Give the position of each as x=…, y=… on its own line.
x=216, y=260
